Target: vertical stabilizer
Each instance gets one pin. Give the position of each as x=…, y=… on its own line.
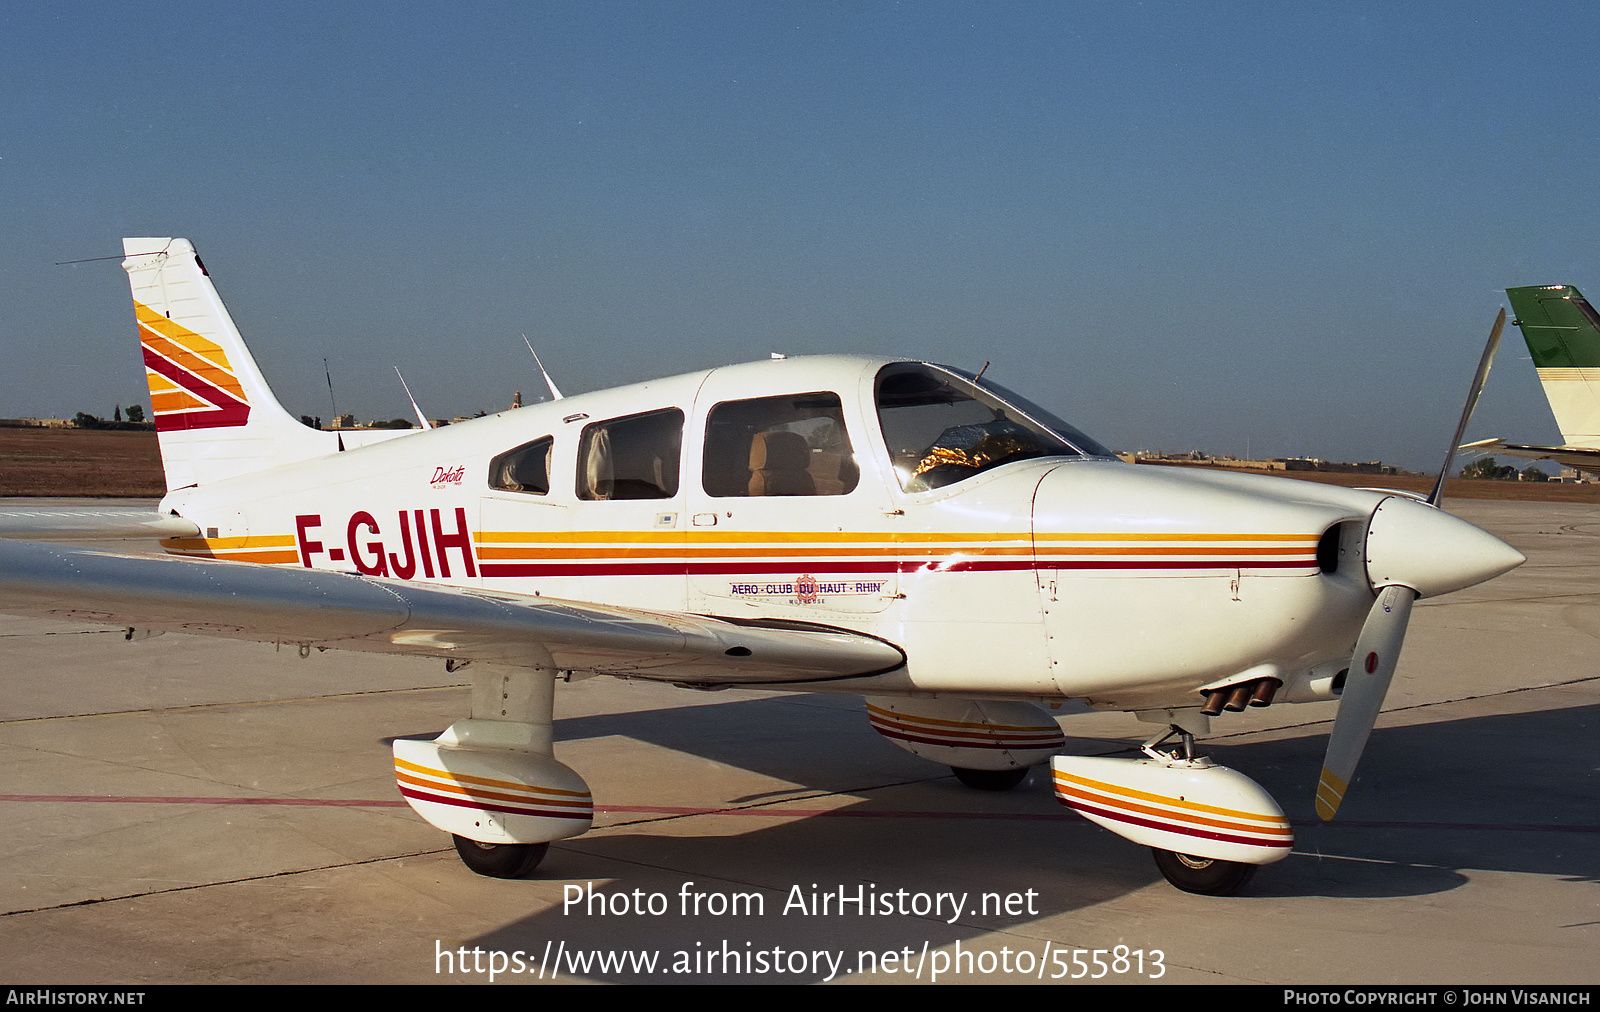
x=1563, y=334
x=214, y=413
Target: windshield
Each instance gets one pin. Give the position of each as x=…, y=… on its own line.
x=942, y=426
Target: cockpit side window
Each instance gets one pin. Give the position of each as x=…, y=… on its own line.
x=523, y=469
x=631, y=458
x=941, y=427
x=795, y=444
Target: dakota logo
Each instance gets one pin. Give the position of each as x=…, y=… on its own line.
x=371, y=556
x=448, y=475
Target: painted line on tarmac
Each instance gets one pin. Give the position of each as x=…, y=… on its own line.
x=764, y=812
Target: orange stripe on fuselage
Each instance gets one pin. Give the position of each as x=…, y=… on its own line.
x=820, y=549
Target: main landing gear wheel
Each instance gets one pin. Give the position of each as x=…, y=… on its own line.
x=500, y=860
x=1204, y=875
x=990, y=780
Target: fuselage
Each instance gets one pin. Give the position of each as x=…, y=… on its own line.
x=1005, y=553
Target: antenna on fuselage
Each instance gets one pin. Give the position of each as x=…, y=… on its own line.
x=555, y=393
x=328, y=374
x=420, y=419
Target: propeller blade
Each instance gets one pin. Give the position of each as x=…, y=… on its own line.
x=1371, y=668
x=1478, y=380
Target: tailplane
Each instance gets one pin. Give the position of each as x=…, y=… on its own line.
x=215, y=415
x=1562, y=332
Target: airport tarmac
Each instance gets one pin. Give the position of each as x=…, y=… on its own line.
x=189, y=810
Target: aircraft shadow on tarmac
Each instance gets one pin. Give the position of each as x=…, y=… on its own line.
x=1435, y=802
x=1491, y=793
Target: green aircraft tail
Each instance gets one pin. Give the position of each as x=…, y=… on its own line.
x=1562, y=332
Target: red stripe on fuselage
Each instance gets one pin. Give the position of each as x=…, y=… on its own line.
x=742, y=567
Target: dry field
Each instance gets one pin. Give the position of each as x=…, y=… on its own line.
x=83, y=462
x=79, y=462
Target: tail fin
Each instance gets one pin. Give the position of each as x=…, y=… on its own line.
x=215, y=415
x=1563, y=334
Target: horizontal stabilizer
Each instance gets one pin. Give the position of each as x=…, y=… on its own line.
x=1581, y=458
x=92, y=521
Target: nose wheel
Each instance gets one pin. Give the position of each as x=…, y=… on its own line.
x=1206, y=876
x=500, y=860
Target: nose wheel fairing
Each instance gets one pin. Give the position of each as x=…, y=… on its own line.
x=1188, y=806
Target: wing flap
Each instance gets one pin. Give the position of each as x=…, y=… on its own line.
x=325, y=609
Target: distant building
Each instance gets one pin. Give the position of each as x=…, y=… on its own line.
x=1199, y=458
x=1315, y=464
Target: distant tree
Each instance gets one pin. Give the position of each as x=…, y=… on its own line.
x=1489, y=468
x=116, y=413
x=1533, y=473
x=84, y=420
x=309, y=422
x=393, y=423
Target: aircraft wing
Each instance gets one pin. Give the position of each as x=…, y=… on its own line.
x=1579, y=457
x=325, y=609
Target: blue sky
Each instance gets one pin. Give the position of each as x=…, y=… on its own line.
x=1275, y=227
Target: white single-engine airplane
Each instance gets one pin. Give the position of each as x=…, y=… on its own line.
x=898, y=530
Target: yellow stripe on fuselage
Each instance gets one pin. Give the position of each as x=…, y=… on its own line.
x=817, y=548
x=943, y=537
x=270, y=549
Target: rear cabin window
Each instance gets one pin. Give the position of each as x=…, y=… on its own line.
x=790, y=445
x=631, y=458
x=523, y=469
